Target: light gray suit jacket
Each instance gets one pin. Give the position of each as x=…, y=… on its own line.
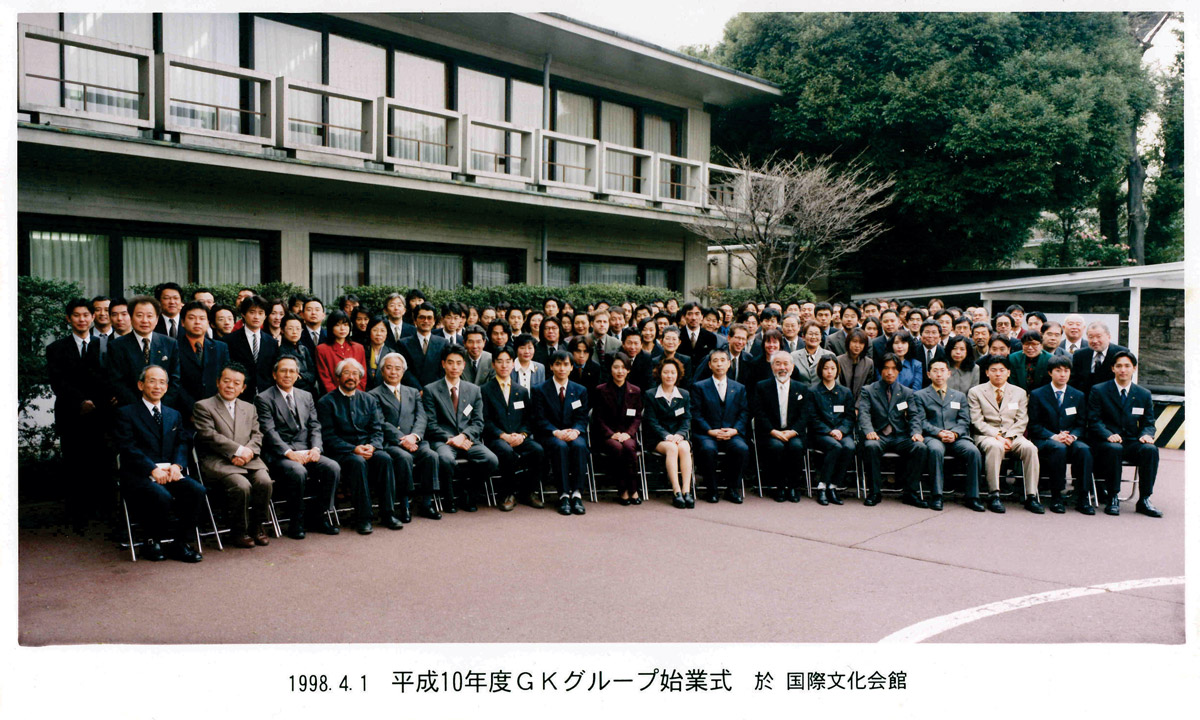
x=808, y=375
x=218, y=436
x=484, y=373
x=1009, y=419
x=442, y=423
x=401, y=417
x=281, y=432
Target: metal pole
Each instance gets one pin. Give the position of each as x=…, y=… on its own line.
x=1135, y=323
x=545, y=253
x=546, y=92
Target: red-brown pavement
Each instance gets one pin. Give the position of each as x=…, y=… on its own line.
x=759, y=572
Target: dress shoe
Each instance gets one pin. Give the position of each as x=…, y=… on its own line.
x=325, y=527
x=1146, y=508
x=712, y=498
x=296, y=530
x=972, y=503
x=510, y=502
x=564, y=506
x=822, y=497
x=935, y=503
x=183, y=552
x=152, y=551
x=363, y=527
x=449, y=507
x=1113, y=507
x=690, y=500
x=427, y=510
x=834, y=497
x=794, y=495
x=623, y=501
x=577, y=506
x=1056, y=506
x=995, y=505
x=535, y=501
x=1085, y=507
x=781, y=495
x=872, y=499
x=678, y=501
x=1033, y=505
x=405, y=508
x=469, y=504
x=260, y=537
x=391, y=522
x=245, y=541
x=733, y=496
x=635, y=500
x=914, y=501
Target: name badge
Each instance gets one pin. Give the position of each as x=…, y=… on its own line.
x=955, y=405
x=1138, y=411
x=577, y=404
x=630, y=412
x=839, y=408
x=680, y=411
x=902, y=406
x=519, y=405
x=1014, y=405
x=1070, y=410
x=467, y=410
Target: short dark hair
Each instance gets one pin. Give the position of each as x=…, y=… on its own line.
x=503, y=324
x=454, y=307
x=769, y=313
x=78, y=303
x=475, y=329
x=574, y=343
x=1124, y=354
x=718, y=351
x=822, y=306
x=623, y=357
x=193, y=305
x=200, y=290
x=857, y=310
x=236, y=367
x=689, y=307
x=1059, y=361
x=929, y=323
x=1036, y=314
x=560, y=356
x=522, y=340
x=260, y=302
x=100, y=298
x=502, y=350
x=313, y=298
x=628, y=331
x=411, y=294
x=423, y=307
x=144, y=300
x=1012, y=307
x=1031, y=336
x=159, y=288
x=889, y=310
x=892, y=358
x=454, y=349
x=989, y=360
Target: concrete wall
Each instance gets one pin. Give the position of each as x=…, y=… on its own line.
x=1161, y=355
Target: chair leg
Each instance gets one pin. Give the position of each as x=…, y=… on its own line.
x=212, y=519
x=129, y=531
x=274, y=518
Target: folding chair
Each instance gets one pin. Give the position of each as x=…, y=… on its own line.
x=643, y=451
x=1133, y=484
x=216, y=532
x=593, y=474
x=895, y=457
x=808, y=471
x=129, y=524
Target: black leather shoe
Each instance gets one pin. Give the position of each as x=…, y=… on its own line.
x=1113, y=507
x=733, y=496
x=564, y=506
x=678, y=501
x=391, y=522
x=972, y=503
x=689, y=500
x=995, y=505
x=363, y=528
x=535, y=501
x=834, y=497
x=794, y=495
x=935, y=503
x=821, y=498
x=635, y=500
x=914, y=501
x=1056, y=506
x=781, y=495
x=712, y=498
x=326, y=527
x=1145, y=507
x=405, y=510
x=577, y=506
x=449, y=507
x=469, y=504
x=427, y=510
x=1034, y=506
x=183, y=552
x=296, y=530
x=152, y=551
x=623, y=501
x=1085, y=507
x=872, y=499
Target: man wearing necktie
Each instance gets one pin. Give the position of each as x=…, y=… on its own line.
x=560, y=423
x=888, y=422
x=1058, y=419
x=129, y=354
x=946, y=422
x=999, y=416
x=1092, y=365
x=454, y=428
x=721, y=423
x=170, y=299
x=780, y=422
x=1121, y=416
x=200, y=359
x=507, y=432
x=404, y=424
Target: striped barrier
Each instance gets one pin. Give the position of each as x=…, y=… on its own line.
x=1169, y=427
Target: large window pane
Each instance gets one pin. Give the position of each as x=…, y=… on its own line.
x=489, y=273
x=656, y=277
x=575, y=116
x=607, y=273
x=657, y=136
x=334, y=269
x=481, y=96
x=526, y=108
x=112, y=82
x=41, y=58
x=558, y=275
x=617, y=127
x=420, y=82
x=295, y=52
x=74, y=257
x=360, y=68
x=150, y=261
x=229, y=260
x=441, y=272
x=201, y=99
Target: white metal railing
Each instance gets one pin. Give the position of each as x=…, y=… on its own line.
x=567, y=161
x=132, y=106
x=726, y=186
x=419, y=137
x=200, y=116
x=627, y=171
x=679, y=181
x=294, y=132
x=510, y=159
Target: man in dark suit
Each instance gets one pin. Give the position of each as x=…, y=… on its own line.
x=780, y=422
x=1092, y=365
x=253, y=348
x=128, y=355
x=200, y=359
x=352, y=428
x=394, y=308
x=507, y=432
x=880, y=346
x=404, y=423
x=641, y=373
x=1030, y=368
x=454, y=415
x=695, y=341
x=1121, y=415
x=422, y=349
x=170, y=300
x=102, y=328
x=152, y=443
x=888, y=422
x=560, y=423
x=478, y=369
x=929, y=349
x=835, y=342
x=1057, y=424
x=453, y=317
x=584, y=370
x=945, y=420
x=291, y=447
x=314, y=330
x=721, y=422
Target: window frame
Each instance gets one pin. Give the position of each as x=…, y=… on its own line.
x=674, y=269
x=515, y=257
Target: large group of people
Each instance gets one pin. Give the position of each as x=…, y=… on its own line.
x=411, y=409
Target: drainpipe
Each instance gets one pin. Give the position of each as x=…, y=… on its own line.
x=545, y=253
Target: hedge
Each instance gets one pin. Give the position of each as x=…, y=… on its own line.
x=519, y=295
x=40, y=320
x=713, y=295
x=227, y=294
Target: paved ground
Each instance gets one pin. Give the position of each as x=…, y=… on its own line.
x=761, y=572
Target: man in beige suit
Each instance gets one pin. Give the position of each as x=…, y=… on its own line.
x=228, y=440
x=999, y=414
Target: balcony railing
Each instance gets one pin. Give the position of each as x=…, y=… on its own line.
x=352, y=137
x=568, y=162
x=419, y=137
x=679, y=181
x=726, y=186
x=198, y=115
x=627, y=171
x=42, y=89
x=498, y=150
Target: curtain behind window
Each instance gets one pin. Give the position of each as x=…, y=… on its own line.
x=74, y=257
x=441, y=272
x=203, y=36
x=420, y=82
x=607, y=273
x=334, y=269
x=229, y=260
x=150, y=261
x=575, y=116
x=295, y=52
x=99, y=68
x=360, y=68
x=617, y=127
x=489, y=273
x=656, y=277
x=558, y=275
x=481, y=96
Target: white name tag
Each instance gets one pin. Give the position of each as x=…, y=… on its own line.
x=467, y=410
x=680, y=411
x=955, y=405
x=519, y=405
x=839, y=408
x=577, y=404
x=1070, y=411
x=1014, y=405
x=630, y=412
x=1138, y=411
x=902, y=406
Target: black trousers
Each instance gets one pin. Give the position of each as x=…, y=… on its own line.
x=152, y=505
x=780, y=460
x=1145, y=455
x=320, y=477
x=838, y=456
x=736, y=453
x=911, y=454
x=527, y=459
x=1054, y=457
x=360, y=473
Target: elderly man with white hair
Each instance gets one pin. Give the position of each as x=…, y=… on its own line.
x=1092, y=365
x=404, y=422
x=1073, y=340
x=780, y=421
x=352, y=428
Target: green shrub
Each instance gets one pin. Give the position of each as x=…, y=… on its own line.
x=520, y=295
x=40, y=321
x=227, y=294
x=713, y=296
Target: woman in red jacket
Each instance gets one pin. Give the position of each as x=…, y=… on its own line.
x=617, y=413
x=337, y=347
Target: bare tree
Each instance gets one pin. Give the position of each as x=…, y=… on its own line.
x=792, y=220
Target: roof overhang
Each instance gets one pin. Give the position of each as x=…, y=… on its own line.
x=1168, y=276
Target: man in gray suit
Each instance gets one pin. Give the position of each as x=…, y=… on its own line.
x=887, y=421
x=454, y=411
x=946, y=420
x=404, y=438
x=291, y=447
x=228, y=442
x=999, y=416
x=478, y=369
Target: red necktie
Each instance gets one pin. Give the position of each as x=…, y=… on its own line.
x=454, y=399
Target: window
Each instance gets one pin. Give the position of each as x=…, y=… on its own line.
x=659, y=135
x=420, y=82
x=77, y=257
x=565, y=270
x=575, y=116
x=201, y=99
x=333, y=270
x=360, y=68
x=281, y=49
x=149, y=261
x=489, y=273
x=407, y=264
x=559, y=275
x=606, y=272
x=526, y=108
x=657, y=277
x=482, y=96
x=102, y=82
x=409, y=269
x=229, y=260
x=617, y=126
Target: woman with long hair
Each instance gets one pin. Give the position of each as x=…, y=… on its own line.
x=336, y=347
x=960, y=356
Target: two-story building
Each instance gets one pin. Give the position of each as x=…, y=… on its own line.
x=345, y=149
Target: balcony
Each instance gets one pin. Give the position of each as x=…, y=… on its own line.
x=679, y=181
x=627, y=172
x=300, y=125
x=417, y=137
x=499, y=151
x=205, y=82
x=568, y=162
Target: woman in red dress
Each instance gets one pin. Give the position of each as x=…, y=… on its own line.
x=337, y=347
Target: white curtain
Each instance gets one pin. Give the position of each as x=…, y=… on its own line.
x=420, y=82
x=481, y=96
x=203, y=36
x=526, y=104
x=607, y=273
x=558, y=275
x=334, y=269
x=150, y=261
x=657, y=134
x=295, y=52
x=489, y=273
x=74, y=257
x=359, y=68
x=230, y=260
x=41, y=58
x=575, y=116
x=100, y=68
x=441, y=272
x=656, y=277
x=617, y=126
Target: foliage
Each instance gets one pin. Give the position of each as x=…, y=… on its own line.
x=227, y=294
x=1164, y=230
x=40, y=320
x=1081, y=246
x=520, y=295
x=983, y=119
x=714, y=295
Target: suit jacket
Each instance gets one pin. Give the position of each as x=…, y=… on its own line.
x=808, y=376
x=936, y=414
x=307, y=341
x=918, y=351
x=161, y=327
x=452, y=338
x=1009, y=419
x=766, y=408
x=641, y=373
x=588, y=376
x=308, y=379
x=835, y=342
x=282, y=431
x=542, y=352
x=855, y=376
x=347, y=422
x=1108, y=416
x=218, y=435
x=1047, y=418
x=709, y=413
x=501, y=416
x=878, y=348
x=706, y=342
x=537, y=374
x=551, y=415
x=126, y=361
x=875, y=412
x=198, y=376
x=609, y=344
x=824, y=415
x=611, y=413
x=74, y=379
x=442, y=422
x=666, y=417
x=104, y=340
x=1061, y=350
x=1081, y=367
x=260, y=373
x=485, y=370
x=1041, y=371
x=425, y=367
x=406, y=330
x=402, y=417
x=142, y=444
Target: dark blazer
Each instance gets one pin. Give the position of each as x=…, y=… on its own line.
x=347, y=422
x=1041, y=371
x=588, y=376
x=706, y=341
x=126, y=361
x=103, y=341
x=665, y=417
x=261, y=373
x=406, y=330
x=141, y=443
x=1047, y=419
x=281, y=431
x=874, y=412
x=918, y=351
x=424, y=367
x=709, y=413
x=835, y=342
x=453, y=339
x=1106, y=415
x=506, y=417
x=307, y=341
x=611, y=414
x=766, y=408
x=935, y=414
x=400, y=417
x=1081, y=367
x=823, y=413
x=74, y=379
x=760, y=369
x=542, y=352
x=199, y=380
x=551, y=415
x=642, y=372
x=879, y=348
x=161, y=327
x=442, y=423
